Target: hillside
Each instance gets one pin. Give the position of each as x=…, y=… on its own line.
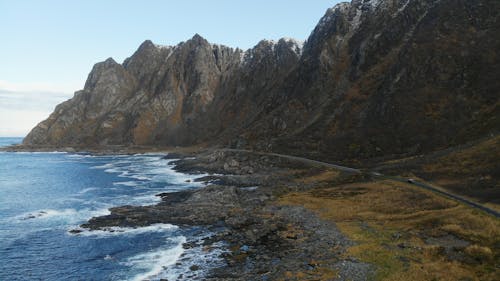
x=374, y=79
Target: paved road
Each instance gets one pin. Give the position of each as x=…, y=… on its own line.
x=300, y=159
x=375, y=174
x=447, y=194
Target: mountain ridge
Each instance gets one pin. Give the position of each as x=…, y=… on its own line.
x=374, y=78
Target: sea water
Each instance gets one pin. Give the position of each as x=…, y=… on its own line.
x=44, y=195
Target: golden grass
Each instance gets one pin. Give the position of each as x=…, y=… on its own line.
x=493, y=206
x=391, y=222
x=440, y=183
x=474, y=159
x=469, y=170
x=480, y=253
x=317, y=177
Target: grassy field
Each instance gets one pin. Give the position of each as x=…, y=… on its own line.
x=405, y=232
x=471, y=170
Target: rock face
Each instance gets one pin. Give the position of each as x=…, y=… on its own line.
x=165, y=95
x=375, y=78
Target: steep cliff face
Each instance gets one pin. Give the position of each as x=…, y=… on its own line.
x=93, y=111
x=380, y=78
x=375, y=78
x=163, y=95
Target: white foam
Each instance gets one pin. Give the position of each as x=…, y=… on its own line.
x=70, y=199
x=147, y=199
x=105, y=166
x=79, y=156
x=124, y=174
x=69, y=215
x=155, y=261
x=167, y=173
x=140, y=170
x=115, y=230
x=87, y=190
x=112, y=170
x=47, y=213
x=149, y=167
x=203, y=257
x=162, y=163
x=127, y=183
x=140, y=177
x=38, y=152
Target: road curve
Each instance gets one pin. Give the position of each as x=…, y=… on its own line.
x=449, y=195
x=378, y=175
x=300, y=159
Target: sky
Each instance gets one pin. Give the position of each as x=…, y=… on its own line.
x=48, y=47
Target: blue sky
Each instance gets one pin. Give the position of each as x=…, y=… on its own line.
x=48, y=47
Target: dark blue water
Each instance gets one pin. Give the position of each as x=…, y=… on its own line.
x=43, y=195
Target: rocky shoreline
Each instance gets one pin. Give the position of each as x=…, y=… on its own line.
x=268, y=216
x=265, y=240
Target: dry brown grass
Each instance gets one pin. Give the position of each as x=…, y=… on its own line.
x=392, y=222
x=480, y=253
x=471, y=160
x=470, y=171
x=319, y=177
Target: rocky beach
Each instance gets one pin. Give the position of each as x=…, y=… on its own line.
x=264, y=239
x=250, y=204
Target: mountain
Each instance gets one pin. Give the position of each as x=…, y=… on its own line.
x=376, y=78
x=163, y=95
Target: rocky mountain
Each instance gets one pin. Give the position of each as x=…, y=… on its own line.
x=376, y=78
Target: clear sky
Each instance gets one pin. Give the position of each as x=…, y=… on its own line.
x=48, y=47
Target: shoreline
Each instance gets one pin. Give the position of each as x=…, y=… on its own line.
x=106, y=150
x=285, y=219
x=265, y=240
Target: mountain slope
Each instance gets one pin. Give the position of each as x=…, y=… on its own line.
x=375, y=78
x=383, y=78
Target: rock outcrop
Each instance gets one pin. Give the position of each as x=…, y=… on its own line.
x=375, y=78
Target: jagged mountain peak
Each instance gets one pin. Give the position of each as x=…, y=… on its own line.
x=197, y=40
x=345, y=19
x=353, y=11
x=272, y=48
x=100, y=69
x=110, y=62
x=146, y=44
x=293, y=44
x=198, y=37
x=265, y=43
x=369, y=69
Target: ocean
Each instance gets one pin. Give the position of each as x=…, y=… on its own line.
x=44, y=195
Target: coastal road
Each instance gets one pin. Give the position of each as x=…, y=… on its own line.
x=377, y=175
x=445, y=194
x=299, y=159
